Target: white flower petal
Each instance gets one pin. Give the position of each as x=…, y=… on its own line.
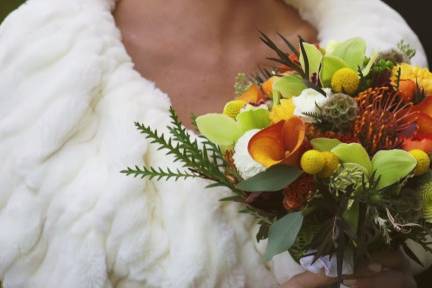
x=244, y=162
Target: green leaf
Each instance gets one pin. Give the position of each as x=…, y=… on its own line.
x=288, y=86
x=273, y=179
x=353, y=153
x=391, y=166
x=218, y=128
x=330, y=64
x=352, y=51
x=351, y=216
x=324, y=144
x=253, y=119
x=283, y=234
x=314, y=57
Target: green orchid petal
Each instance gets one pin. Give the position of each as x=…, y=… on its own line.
x=352, y=51
x=314, y=57
x=353, y=153
x=391, y=166
x=288, y=86
x=253, y=119
x=219, y=129
x=324, y=144
x=330, y=64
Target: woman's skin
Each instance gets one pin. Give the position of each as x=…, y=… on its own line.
x=193, y=49
x=387, y=269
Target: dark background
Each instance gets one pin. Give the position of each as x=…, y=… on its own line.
x=416, y=12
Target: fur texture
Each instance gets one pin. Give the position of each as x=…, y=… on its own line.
x=68, y=98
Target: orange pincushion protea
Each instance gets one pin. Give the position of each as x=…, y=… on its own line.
x=297, y=194
x=384, y=119
x=313, y=132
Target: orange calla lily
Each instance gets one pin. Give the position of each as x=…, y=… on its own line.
x=279, y=143
x=252, y=95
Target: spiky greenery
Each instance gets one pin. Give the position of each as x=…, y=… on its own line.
x=406, y=49
x=242, y=83
x=263, y=74
x=202, y=159
x=284, y=59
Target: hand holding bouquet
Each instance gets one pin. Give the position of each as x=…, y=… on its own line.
x=329, y=150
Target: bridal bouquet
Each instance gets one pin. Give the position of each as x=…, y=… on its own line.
x=329, y=151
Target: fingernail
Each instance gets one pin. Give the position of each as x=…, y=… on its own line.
x=375, y=267
x=349, y=282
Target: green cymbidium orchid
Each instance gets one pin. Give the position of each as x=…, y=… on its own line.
x=225, y=131
x=388, y=166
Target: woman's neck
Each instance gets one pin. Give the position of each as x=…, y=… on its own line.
x=192, y=49
x=207, y=22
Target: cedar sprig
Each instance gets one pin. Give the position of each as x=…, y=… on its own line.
x=199, y=159
x=158, y=173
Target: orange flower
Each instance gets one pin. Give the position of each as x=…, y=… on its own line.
x=279, y=143
x=422, y=142
x=253, y=95
x=297, y=194
x=424, y=120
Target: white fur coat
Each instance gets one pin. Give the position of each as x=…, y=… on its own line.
x=68, y=98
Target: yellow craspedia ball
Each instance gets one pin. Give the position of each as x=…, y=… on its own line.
x=345, y=80
x=232, y=108
x=330, y=166
x=423, y=161
x=312, y=162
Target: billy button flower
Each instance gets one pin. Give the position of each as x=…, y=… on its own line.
x=322, y=164
x=423, y=161
x=331, y=164
x=345, y=80
x=312, y=162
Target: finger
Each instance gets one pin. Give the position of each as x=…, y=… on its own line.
x=309, y=280
x=392, y=259
x=392, y=279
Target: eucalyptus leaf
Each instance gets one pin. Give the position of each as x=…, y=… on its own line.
x=391, y=166
x=219, y=128
x=352, y=51
x=288, y=86
x=330, y=64
x=324, y=144
x=253, y=119
x=283, y=234
x=353, y=153
x=273, y=179
x=314, y=57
